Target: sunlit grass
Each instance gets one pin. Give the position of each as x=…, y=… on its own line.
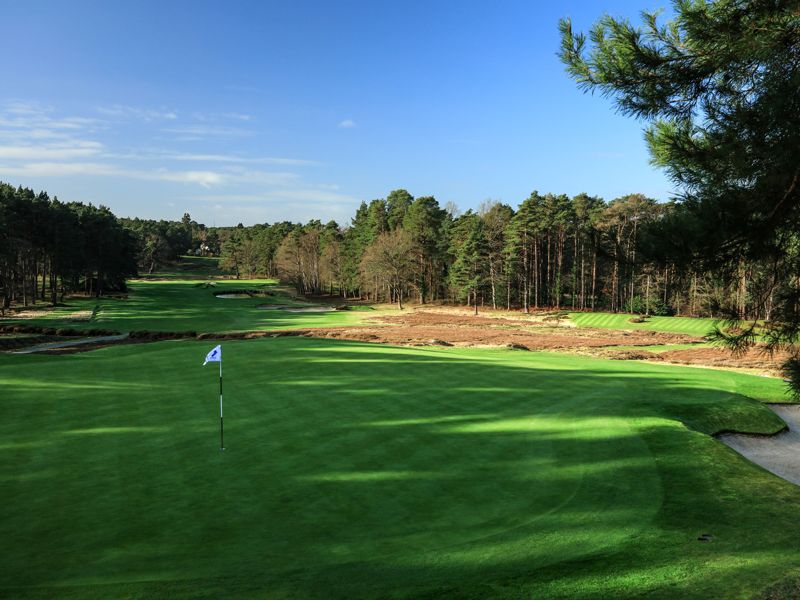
x=358, y=470
x=187, y=305
x=688, y=325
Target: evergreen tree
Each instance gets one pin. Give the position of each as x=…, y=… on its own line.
x=469, y=251
x=720, y=88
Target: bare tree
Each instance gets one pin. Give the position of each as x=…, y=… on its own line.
x=389, y=261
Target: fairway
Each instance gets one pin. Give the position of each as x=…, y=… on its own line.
x=187, y=305
x=688, y=325
x=358, y=470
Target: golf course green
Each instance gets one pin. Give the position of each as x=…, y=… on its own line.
x=688, y=325
x=193, y=305
x=358, y=470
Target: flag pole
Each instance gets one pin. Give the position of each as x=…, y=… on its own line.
x=221, y=430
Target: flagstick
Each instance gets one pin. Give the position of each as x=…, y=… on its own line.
x=221, y=434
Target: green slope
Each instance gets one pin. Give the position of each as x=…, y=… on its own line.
x=357, y=470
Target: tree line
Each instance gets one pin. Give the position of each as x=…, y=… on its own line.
x=551, y=251
x=49, y=248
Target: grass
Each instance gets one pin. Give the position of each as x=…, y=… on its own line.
x=358, y=470
x=192, y=267
x=184, y=305
x=688, y=325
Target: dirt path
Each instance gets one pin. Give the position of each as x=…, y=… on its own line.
x=70, y=343
x=779, y=454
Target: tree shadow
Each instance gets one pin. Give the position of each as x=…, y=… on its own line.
x=358, y=470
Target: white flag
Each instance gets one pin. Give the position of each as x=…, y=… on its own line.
x=214, y=356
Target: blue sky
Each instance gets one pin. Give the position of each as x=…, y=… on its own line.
x=265, y=111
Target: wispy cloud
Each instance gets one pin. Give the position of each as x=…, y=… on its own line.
x=301, y=194
x=216, y=116
x=347, y=124
x=37, y=143
x=203, y=131
x=264, y=160
x=134, y=112
x=237, y=116
x=24, y=117
x=52, y=151
x=216, y=158
x=61, y=169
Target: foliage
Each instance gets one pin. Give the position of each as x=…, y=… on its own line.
x=49, y=248
x=388, y=261
x=554, y=251
x=720, y=87
x=469, y=251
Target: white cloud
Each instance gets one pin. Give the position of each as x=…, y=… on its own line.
x=283, y=196
x=19, y=107
x=62, y=169
x=57, y=169
x=132, y=112
x=201, y=131
x=53, y=151
x=216, y=116
x=347, y=124
x=38, y=143
x=226, y=158
x=237, y=116
x=204, y=178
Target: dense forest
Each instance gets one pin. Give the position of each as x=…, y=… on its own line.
x=551, y=251
x=49, y=248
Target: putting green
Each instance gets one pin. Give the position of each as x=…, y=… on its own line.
x=358, y=470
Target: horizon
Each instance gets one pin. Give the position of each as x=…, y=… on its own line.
x=300, y=114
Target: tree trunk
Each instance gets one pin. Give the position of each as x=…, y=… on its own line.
x=594, y=276
x=491, y=279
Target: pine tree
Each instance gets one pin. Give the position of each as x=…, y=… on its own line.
x=720, y=88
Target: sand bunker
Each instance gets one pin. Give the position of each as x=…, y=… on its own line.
x=228, y=296
x=779, y=453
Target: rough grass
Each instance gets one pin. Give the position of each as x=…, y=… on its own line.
x=185, y=305
x=658, y=348
x=357, y=470
x=689, y=325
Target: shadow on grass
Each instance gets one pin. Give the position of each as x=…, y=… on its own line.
x=356, y=470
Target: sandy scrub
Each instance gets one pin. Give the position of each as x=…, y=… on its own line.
x=426, y=327
x=78, y=316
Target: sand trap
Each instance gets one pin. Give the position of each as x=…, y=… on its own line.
x=227, y=296
x=779, y=453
